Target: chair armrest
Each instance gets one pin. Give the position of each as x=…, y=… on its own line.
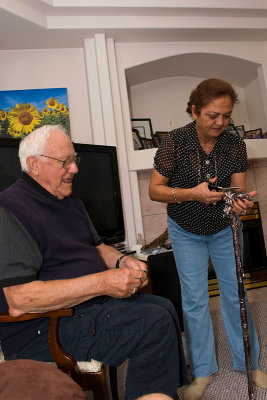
x=62, y=358
x=88, y=378
x=67, y=312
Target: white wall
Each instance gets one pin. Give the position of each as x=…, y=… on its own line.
x=254, y=106
x=165, y=100
x=38, y=69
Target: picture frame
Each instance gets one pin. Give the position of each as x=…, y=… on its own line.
x=24, y=110
x=161, y=135
x=241, y=130
x=144, y=126
x=155, y=140
x=232, y=129
x=253, y=134
x=136, y=139
x=141, y=131
x=147, y=143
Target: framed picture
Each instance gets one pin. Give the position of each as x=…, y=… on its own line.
x=144, y=127
x=231, y=121
x=136, y=139
x=232, y=129
x=147, y=143
x=141, y=131
x=161, y=135
x=22, y=111
x=253, y=134
x=155, y=140
x=241, y=130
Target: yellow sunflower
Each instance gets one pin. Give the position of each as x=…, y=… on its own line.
x=45, y=111
x=23, y=118
x=62, y=108
x=51, y=102
x=3, y=115
x=14, y=133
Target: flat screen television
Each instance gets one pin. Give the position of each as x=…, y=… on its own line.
x=97, y=184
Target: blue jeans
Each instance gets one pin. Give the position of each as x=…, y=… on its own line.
x=192, y=254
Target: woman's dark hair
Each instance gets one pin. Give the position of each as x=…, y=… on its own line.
x=209, y=90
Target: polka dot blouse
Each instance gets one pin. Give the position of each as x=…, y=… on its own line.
x=181, y=159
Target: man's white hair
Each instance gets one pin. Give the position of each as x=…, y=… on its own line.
x=34, y=143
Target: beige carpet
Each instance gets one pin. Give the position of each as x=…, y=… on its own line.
x=230, y=384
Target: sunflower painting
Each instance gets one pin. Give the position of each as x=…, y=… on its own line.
x=22, y=111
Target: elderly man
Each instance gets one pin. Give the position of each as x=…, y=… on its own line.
x=52, y=257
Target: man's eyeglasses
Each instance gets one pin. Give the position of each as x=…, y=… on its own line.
x=66, y=163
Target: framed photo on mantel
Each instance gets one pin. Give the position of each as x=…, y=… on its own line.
x=253, y=134
x=161, y=135
x=137, y=140
x=144, y=127
x=241, y=130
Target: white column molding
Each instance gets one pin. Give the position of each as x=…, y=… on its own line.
x=129, y=182
x=136, y=206
x=263, y=86
x=108, y=126
x=94, y=92
x=105, y=89
x=125, y=133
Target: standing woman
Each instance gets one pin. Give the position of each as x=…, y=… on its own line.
x=190, y=158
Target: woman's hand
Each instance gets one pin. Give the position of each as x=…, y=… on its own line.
x=206, y=196
x=243, y=206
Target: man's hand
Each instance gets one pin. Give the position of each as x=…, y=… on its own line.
x=123, y=282
x=134, y=263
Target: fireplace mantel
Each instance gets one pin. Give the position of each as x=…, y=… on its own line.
x=143, y=159
x=256, y=149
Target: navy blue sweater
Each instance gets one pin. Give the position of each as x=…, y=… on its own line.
x=60, y=230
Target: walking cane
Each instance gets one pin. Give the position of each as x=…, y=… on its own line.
x=235, y=223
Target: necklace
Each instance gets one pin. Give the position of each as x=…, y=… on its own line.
x=207, y=149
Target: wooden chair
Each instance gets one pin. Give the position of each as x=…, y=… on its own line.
x=94, y=381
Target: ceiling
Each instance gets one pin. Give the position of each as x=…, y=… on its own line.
x=52, y=24
x=31, y=24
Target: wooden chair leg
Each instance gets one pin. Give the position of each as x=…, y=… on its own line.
x=96, y=382
x=100, y=389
